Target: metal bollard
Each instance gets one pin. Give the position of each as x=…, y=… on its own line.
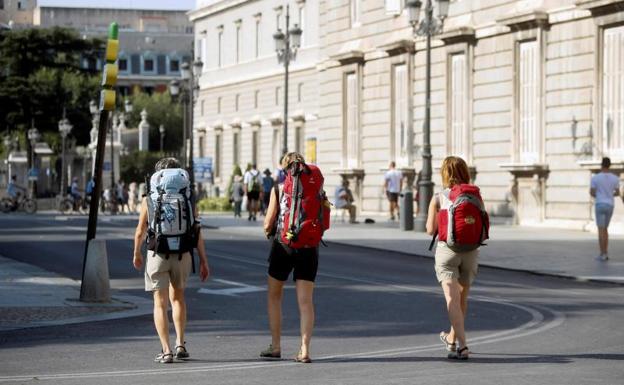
x=406, y=208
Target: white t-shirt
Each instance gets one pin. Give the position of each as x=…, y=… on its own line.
x=393, y=177
x=249, y=175
x=605, y=184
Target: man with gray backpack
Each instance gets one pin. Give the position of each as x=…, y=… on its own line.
x=168, y=224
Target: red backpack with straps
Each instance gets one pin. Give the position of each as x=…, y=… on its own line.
x=306, y=210
x=463, y=222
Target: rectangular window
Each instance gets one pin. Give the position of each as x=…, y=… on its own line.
x=219, y=105
x=236, y=147
x=217, y=162
x=299, y=92
x=148, y=65
x=302, y=21
x=201, y=110
x=236, y=102
x=278, y=91
x=394, y=7
x=458, y=138
x=355, y=12
x=254, y=146
x=613, y=92
x=19, y=5
x=1, y=4
x=399, y=114
x=528, y=94
x=351, y=120
x=299, y=134
x=277, y=145
x=257, y=41
x=201, y=146
x=220, y=47
x=256, y=98
x=238, y=41
x=123, y=64
x=174, y=66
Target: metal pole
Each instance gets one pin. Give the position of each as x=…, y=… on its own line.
x=286, y=63
x=184, y=126
x=162, y=140
x=97, y=189
x=113, y=194
x=425, y=186
x=63, y=184
x=190, y=109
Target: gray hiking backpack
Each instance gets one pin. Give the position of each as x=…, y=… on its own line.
x=171, y=219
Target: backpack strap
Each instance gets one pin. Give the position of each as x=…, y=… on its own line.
x=433, y=239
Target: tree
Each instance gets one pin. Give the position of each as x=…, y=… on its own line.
x=40, y=75
x=160, y=110
x=135, y=166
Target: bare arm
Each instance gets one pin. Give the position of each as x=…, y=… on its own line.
x=271, y=214
x=432, y=216
x=204, y=270
x=139, y=236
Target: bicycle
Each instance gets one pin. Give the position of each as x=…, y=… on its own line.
x=70, y=204
x=22, y=202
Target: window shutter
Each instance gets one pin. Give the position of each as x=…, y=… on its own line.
x=393, y=7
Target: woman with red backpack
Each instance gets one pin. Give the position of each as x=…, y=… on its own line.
x=297, y=216
x=457, y=215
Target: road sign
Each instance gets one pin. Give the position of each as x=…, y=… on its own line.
x=202, y=168
x=33, y=174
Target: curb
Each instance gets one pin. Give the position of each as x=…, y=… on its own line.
x=486, y=265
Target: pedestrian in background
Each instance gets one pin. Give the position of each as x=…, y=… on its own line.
x=237, y=195
x=267, y=185
x=455, y=269
x=393, y=180
x=133, y=197
x=252, y=189
x=604, y=186
x=344, y=200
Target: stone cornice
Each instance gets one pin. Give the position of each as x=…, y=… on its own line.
x=398, y=47
x=601, y=7
x=348, y=57
x=458, y=35
x=524, y=20
x=210, y=10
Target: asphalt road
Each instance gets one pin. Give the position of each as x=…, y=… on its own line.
x=378, y=317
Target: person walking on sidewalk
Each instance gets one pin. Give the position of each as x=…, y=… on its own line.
x=604, y=186
x=457, y=248
x=237, y=195
x=393, y=180
x=294, y=247
x=168, y=263
x=252, y=189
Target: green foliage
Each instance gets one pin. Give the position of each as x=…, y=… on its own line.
x=214, y=204
x=40, y=75
x=135, y=166
x=160, y=110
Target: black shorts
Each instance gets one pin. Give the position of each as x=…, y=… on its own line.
x=393, y=197
x=283, y=260
x=253, y=195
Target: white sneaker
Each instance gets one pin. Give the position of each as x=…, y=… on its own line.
x=601, y=257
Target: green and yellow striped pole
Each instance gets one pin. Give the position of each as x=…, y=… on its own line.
x=107, y=104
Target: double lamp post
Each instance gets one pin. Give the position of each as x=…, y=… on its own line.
x=428, y=27
x=187, y=88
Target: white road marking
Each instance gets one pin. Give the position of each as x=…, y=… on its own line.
x=527, y=329
x=241, y=288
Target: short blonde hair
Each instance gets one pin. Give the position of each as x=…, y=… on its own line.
x=290, y=158
x=454, y=171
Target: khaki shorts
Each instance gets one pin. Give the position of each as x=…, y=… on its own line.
x=160, y=271
x=461, y=266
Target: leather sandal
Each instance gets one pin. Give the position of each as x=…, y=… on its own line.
x=450, y=346
x=301, y=359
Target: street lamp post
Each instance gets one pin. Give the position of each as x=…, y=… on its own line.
x=286, y=46
x=33, y=137
x=64, y=129
x=188, y=90
x=428, y=27
x=9, y=143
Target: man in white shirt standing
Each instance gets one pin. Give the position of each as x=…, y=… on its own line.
x=252, y=185
x=604, y=186
x=393, y=180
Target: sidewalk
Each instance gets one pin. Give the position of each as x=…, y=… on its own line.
x=565, y=253
x=32, y=297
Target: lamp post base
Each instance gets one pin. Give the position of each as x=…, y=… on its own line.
x=420, y=224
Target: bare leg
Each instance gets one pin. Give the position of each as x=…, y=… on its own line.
x=305, y=289
x=603, y=240
x=178, y=310
x=276, y=289
x=452, y=293
x=465, y=289
x=161, y=319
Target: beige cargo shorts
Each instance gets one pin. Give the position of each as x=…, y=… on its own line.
x=462, y=266
x=161, y=271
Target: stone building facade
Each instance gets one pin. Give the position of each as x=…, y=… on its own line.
x=154, y=39
x=530, y=93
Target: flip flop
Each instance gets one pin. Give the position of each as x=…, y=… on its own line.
x=451, y=347
x=303, y=360
x=270, y=353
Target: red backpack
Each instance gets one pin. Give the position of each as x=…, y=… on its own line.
x=305, y=208
x=463, y=222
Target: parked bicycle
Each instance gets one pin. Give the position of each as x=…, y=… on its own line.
x=22, y=203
